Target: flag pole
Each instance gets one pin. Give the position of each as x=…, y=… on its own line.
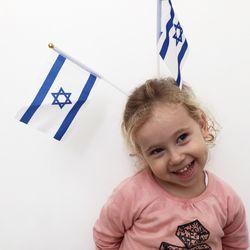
x=158, y=33
x=83, y=66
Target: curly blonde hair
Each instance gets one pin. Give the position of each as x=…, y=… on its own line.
x=140, y=104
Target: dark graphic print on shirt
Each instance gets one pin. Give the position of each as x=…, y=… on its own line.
x=193, y=235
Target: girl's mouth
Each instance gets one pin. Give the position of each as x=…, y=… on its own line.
x=187, y=171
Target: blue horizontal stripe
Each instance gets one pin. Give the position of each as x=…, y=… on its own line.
x=44, y=89
x=74, y=110
x=180, y=57
x=169, y=25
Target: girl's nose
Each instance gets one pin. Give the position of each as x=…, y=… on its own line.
x=176, y=157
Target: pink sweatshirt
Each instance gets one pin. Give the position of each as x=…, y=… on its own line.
x=140, y=215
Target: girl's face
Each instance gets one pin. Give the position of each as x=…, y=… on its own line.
x=173, y=146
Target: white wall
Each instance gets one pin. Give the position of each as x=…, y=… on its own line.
x=51, y=192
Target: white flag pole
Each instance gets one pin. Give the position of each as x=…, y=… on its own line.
x=83, y=66
x=158, y=33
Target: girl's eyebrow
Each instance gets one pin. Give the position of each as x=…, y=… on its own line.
x=150, y=148
x=175, y=134
x=181, y=130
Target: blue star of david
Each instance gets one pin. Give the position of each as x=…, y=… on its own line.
x=57, y=95
x=178, y=33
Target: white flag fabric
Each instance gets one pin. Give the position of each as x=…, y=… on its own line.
x=172, y=44
x=62, y=94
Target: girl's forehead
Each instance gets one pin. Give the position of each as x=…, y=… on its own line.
x=170, y=105
x=174, y=117
x=163, y=110
x=165, y=124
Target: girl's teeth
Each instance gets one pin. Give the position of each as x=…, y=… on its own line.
x=184, y=169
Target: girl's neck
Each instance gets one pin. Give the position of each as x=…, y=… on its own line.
x=184, y=192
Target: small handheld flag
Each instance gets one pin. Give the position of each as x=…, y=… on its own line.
x=64, y=91
x=172, y=44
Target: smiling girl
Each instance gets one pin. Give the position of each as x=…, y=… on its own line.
x=173, y=202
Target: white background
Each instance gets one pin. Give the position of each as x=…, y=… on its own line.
x=51, y=192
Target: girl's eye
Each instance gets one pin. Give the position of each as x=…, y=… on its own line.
x=156, y=151
x=182, y=138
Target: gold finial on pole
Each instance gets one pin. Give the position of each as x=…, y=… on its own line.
x=51, y=45
x=62, y=53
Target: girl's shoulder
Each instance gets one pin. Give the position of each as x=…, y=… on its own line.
x=222, y=190
x=139, y=179
x=139, y=185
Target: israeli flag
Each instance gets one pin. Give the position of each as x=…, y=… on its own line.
x=172, y=44
x=62, y=94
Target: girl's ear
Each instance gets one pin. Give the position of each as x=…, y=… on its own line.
x=203, y=125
